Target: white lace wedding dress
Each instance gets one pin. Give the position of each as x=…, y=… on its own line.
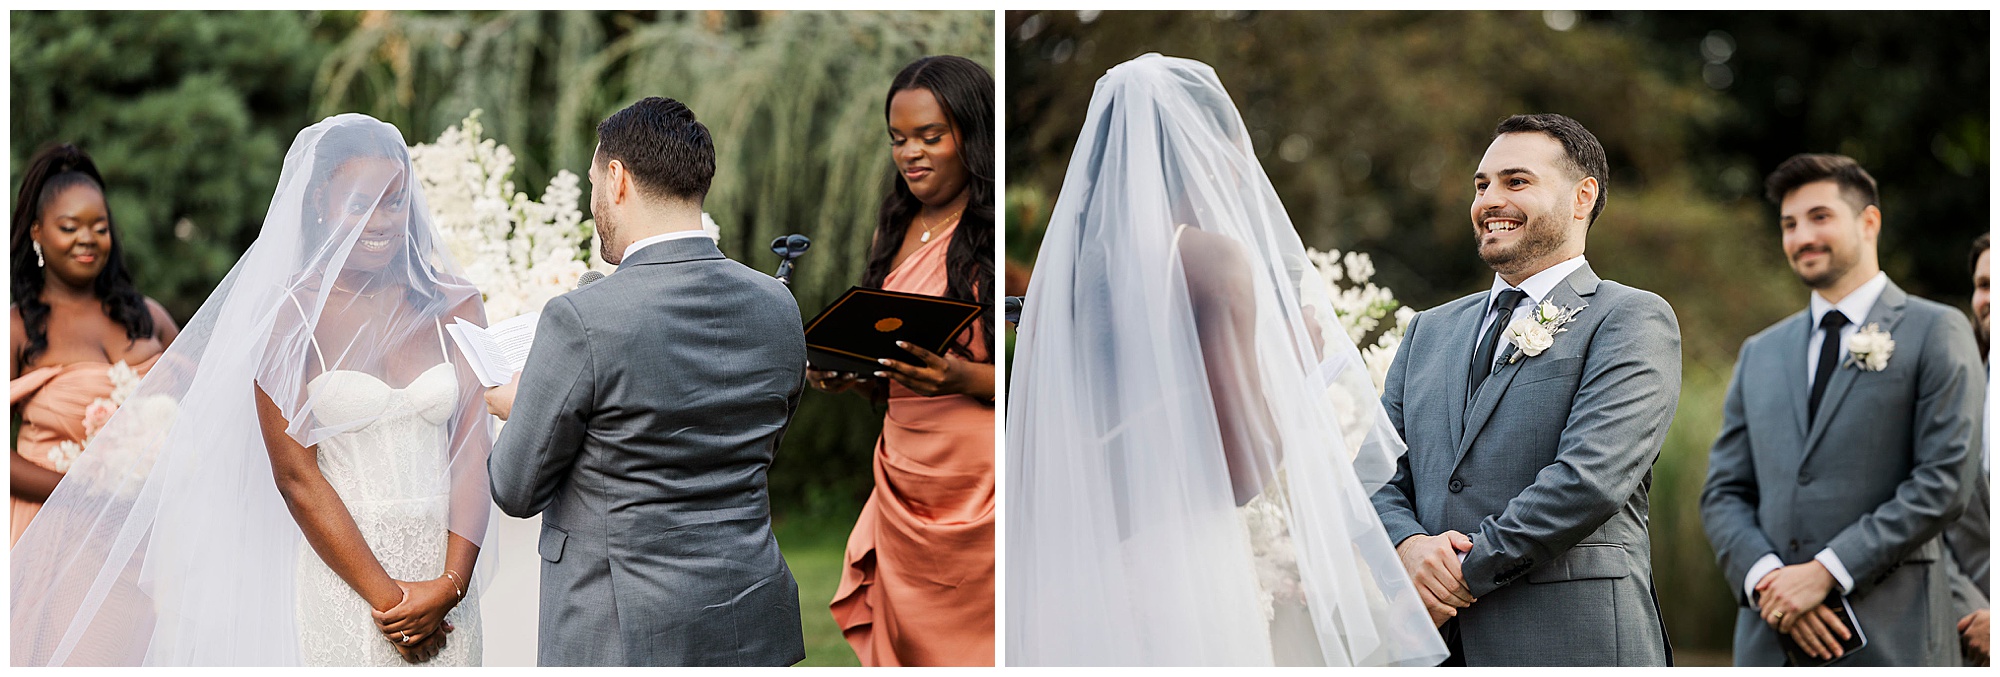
x=391, y=474
x=1267, y=519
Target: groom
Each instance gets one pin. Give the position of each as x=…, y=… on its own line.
x=1533, y=413
x=1843, y=458
x=647, y=418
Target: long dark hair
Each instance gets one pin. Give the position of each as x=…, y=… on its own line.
x=965, y=90
x=54, y=169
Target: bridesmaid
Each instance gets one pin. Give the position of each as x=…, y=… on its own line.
x=918, y=585
x=75, y=314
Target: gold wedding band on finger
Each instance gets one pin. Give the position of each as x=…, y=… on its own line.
x=1778, y=615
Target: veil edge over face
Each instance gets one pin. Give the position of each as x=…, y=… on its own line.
x=1192, y=438
x=168, y=541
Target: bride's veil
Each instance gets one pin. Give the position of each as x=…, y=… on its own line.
x=168, y=542
x=1192, y=438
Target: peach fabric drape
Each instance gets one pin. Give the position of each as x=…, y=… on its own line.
x=917, y=588
x=51, y=401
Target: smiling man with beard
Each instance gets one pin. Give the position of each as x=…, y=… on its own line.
x=1533, y=413
x=1846, y=445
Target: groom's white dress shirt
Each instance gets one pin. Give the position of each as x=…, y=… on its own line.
x=1855, y=306
x=663, y=237
x=1537, y=287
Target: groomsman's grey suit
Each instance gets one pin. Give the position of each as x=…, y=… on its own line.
x=1546, y=466
x=1968, y=538
x=644, y=424
x=1873, y=478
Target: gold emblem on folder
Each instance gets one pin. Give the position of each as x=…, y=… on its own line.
x=888, y=324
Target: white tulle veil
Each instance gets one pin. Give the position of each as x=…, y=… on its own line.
x=168, y=543
x=1191, y=438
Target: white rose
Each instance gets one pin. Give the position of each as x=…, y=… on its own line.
x=1863, y=343
x=1530, y=337
x=1547, y=311
x=1878, y=361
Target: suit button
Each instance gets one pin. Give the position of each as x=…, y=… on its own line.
x=1456, y=485
x=1795, y=545
x=1805, y=478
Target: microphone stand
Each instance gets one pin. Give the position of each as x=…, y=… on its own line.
x=789, y=248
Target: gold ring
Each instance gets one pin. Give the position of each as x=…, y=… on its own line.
x=1778, y=615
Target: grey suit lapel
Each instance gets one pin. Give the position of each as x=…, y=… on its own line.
x=1570, y=294
x=1887, y=312
x=1460, y=362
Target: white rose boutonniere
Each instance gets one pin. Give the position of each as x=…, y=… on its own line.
x=1869, y=348
x=1535, y=333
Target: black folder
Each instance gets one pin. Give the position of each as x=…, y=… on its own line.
x=1797, y=654
x=863, y=326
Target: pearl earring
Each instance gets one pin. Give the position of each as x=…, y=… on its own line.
x=38, y=255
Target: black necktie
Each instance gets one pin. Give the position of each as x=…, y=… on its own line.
x=1482, y=361
x=1829, y=355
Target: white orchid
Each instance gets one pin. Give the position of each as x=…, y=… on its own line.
x=519, y=252
x=1360, y=307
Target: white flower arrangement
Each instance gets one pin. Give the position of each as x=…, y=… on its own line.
x=517, y=251
x=124, y=381
x=1360, y=306
x=124, y=457
x=1869, y=348
x=1535, y=333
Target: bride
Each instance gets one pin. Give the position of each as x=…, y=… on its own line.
x=1191, y=438
x=301, y=479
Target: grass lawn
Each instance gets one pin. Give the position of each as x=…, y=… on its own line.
x=813, y=548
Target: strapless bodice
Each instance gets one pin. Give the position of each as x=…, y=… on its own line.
x=391, y=470
x=398, y=447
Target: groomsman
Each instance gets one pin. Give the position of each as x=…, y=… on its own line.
x=1847, y=444
x=1534, y=411
x=1969, y=536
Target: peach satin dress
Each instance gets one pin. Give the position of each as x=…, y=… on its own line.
x=917, y=588
x=51, y=401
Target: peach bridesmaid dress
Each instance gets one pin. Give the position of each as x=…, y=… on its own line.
x=52, y=400
x=918, y=584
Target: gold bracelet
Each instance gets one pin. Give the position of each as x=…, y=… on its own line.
x=453, y=575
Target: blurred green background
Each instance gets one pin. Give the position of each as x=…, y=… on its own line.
x=1369, y=124
x=189, y=114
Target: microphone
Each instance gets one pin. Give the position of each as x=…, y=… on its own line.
x=588, y=277
x=789, y=248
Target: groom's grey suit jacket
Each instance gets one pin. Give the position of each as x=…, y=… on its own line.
x=1546, y=468
x=645, y=423
x=1876, y=477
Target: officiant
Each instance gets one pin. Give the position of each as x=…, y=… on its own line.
x=917, y=587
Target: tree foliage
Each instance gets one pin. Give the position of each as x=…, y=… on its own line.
x=187, y=114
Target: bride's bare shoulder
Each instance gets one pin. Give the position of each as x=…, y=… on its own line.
x=1214, y=262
